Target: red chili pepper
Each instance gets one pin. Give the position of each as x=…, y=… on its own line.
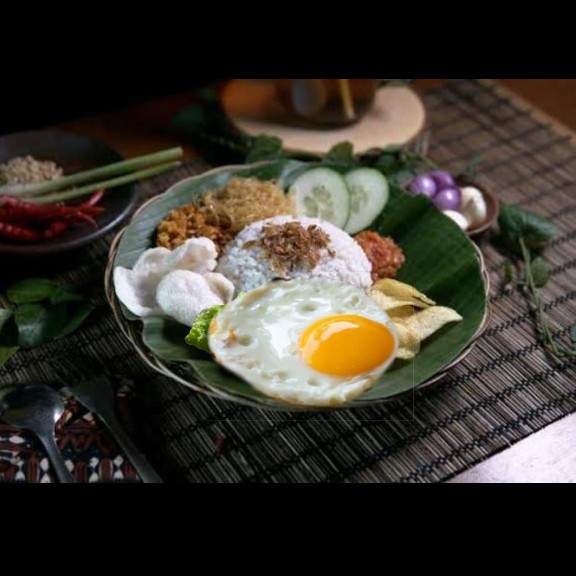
x=55, y=229
x=95, y=198
x=30, y=222
x=16, y=210
x=14, y=232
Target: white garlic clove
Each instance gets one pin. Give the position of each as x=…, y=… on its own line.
x=474, y=207
x=458, y=218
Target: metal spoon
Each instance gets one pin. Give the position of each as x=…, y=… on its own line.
x=37, y=408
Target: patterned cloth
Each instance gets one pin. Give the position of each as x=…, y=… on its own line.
x=90, y=452
x=506, y=389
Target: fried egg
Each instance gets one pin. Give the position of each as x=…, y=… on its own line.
x=312, y=342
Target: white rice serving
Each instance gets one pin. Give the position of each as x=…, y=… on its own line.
x=249, y=267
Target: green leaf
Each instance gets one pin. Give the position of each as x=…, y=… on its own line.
x=8, y=336
x=401, y=178
x=167, y=338
x=508, y=273
x=390, y=164
x=39, y=323
x=540, y=272
x=76, y=317
x=5, y=315
x=8, y=329
x=573, y=333
x=516, y=223
x=66, y=293
x=265, y=148
x=6, y=353
x=342, y=153
x=198, y=335
x=31, y=290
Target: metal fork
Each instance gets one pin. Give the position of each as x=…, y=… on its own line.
x=87, y=380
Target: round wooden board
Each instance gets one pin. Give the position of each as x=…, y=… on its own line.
x=397, y=117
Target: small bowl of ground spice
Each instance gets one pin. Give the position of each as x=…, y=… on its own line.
x=28, y=170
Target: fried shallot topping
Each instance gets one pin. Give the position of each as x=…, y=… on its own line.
x=290, y=245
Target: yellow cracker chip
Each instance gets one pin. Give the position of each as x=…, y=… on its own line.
x=415, y=316
x=424, y=323
x=401, y=313
x=390, y=294
x=408, y=345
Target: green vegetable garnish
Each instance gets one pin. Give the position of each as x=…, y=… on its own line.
x=39, y=310
x=518, y=225
x=31, y=290
x=7, y=343
x=198, y=335
x=523, y=237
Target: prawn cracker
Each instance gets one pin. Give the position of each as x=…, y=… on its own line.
x=401, y=313
x=409, y=343
x=390, y=294
x=426, y=322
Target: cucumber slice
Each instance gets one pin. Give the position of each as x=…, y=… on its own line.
x=322, y=193
x=369, y=191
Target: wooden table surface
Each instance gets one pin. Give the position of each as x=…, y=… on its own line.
x=548, y=455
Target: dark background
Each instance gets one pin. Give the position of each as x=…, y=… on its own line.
x=30, y=104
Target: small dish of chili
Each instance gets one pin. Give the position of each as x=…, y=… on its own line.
x=87, y=219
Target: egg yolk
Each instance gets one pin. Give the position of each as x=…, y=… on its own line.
x=346, y=345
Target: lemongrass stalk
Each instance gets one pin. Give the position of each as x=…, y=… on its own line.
x=106, y=184
x=65, y=182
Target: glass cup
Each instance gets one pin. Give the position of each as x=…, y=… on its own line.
x=329, y=102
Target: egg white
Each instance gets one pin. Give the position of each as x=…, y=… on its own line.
x=257, y=337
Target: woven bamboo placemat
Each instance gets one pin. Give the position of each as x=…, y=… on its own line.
x=505, y=390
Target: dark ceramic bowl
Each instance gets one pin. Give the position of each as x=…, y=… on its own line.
x=492, y=208
x=74, y=153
